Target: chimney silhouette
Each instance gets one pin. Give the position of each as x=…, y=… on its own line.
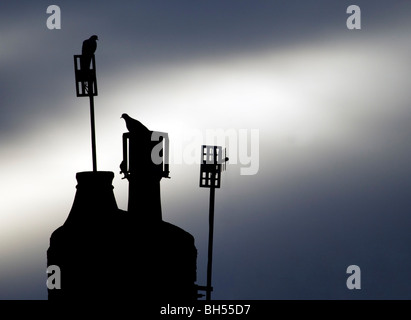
x=173, y=255
x=144, y=176
x=83, y=246
x=107, y=253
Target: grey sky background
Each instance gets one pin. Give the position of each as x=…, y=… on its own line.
x=332, y=107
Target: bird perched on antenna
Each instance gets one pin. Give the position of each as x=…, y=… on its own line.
x=87, y=51
x=134, y=126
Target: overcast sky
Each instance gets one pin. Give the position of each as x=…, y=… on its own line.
x=331, y=107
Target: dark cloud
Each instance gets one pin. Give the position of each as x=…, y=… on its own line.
x=152, y=32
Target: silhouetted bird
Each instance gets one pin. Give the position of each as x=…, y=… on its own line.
x=123, y=169
x=134, y=126
x=87, y=51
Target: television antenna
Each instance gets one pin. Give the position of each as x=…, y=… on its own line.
x=86, y=86
x=213, y=163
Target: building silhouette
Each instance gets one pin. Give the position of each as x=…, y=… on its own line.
x=107, y=253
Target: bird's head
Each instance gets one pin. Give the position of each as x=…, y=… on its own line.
x=124, y=116
x=94, y=37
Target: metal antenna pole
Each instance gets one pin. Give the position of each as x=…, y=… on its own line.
x=93, y=130
x=210, y=243
x=210, y=177
x=86, y=85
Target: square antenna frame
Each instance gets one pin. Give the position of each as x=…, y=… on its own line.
x=86, y=80
x=159, y=143
x=210, y=168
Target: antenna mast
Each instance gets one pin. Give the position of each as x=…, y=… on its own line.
x=86, y=86
x=212, y=164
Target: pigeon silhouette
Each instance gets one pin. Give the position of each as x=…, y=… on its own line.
x=134, y=126
x=87, y=51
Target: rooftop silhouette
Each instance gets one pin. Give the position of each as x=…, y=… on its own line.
x=103, y=251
